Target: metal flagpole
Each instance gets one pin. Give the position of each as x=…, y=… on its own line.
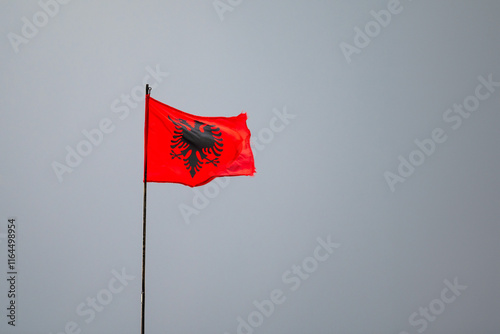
x=143, y=292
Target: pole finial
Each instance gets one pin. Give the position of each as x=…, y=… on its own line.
x=148, y=89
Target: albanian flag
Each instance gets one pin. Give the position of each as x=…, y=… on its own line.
x=193, y=150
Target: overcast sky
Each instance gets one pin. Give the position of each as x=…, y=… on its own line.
x=376, y=203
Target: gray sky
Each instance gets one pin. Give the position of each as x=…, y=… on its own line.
x=376, y=201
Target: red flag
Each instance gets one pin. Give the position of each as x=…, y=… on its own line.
x=193, y=150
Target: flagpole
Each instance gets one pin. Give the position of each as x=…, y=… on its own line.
x=143, y=291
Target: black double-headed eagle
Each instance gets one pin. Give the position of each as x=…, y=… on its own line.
x=196, y=145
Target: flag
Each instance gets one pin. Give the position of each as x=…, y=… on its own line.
x=193, y=150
